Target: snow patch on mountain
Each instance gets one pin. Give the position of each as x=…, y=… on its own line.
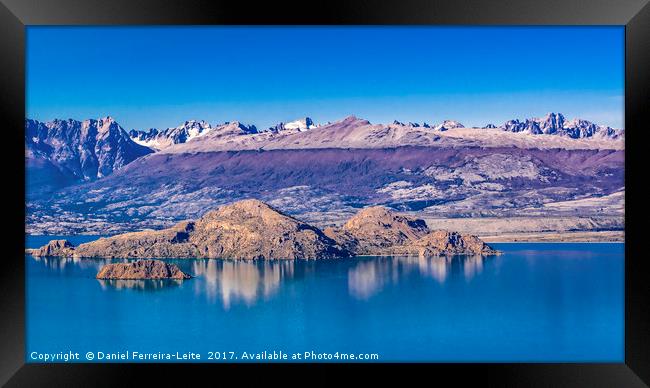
x=448, y=124
x=299, y=125
x=183, y=133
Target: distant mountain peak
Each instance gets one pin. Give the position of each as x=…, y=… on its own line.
x=353, y=119
x=195, y=123
x=247, y=129
x=301, y=125
x=448, y=124
x=82, y=150
x=159, y=139
x=556, y=124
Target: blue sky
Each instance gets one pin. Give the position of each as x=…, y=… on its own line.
x=161, y=76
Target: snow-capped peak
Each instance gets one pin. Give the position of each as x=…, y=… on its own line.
x=300, y=125
x=194, y=128
x=183, y=133
x=448, y=124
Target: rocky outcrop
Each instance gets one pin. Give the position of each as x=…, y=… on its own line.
x=380, y=231
x=166, y=243
x=374, y=230
x=141, y=269
x=248, y=229
x=445, y=243
x=53, y=248
x=251, y=229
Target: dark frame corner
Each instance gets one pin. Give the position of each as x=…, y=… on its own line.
x=634, y=14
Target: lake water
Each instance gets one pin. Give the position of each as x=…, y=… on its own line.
x=535, y=303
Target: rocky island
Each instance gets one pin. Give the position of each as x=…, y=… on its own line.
x=377, y=231
x=141, y=269
x=251, y=229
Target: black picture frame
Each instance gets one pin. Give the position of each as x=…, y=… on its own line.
x=633, y=14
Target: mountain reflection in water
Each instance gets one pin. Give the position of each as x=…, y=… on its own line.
x=60, y=264
x=139, y=284
x=230, y=282
x=245, y=281
x=369, y=277
x=248, y=281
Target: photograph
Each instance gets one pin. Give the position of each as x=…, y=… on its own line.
x=324, y=194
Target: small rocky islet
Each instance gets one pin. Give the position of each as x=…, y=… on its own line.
x=251, y=229
x=141, y=269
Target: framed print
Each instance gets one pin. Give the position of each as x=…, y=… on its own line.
x=445, y=188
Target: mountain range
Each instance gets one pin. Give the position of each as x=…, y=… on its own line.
x=94, y=177
x=189, y=130
x=353, y=132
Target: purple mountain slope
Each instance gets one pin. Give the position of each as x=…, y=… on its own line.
x=160, y=189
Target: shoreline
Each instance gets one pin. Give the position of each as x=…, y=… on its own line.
x=556, y=242
x=523, y=238
x=605, y=236
x=490, y=239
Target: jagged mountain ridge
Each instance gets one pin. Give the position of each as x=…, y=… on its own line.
x=554, y=123
x=189, y=130
x=60, y=152
x=353, y=132
x=350, y=132
x=551, y=124
x=192, y=129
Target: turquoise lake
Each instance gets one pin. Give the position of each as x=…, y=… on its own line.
x=541, y=302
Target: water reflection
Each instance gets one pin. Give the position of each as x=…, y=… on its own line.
x=229, y=282
x=60, y=264
x=139, y=285
x=369, y=277
x=246, y=281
